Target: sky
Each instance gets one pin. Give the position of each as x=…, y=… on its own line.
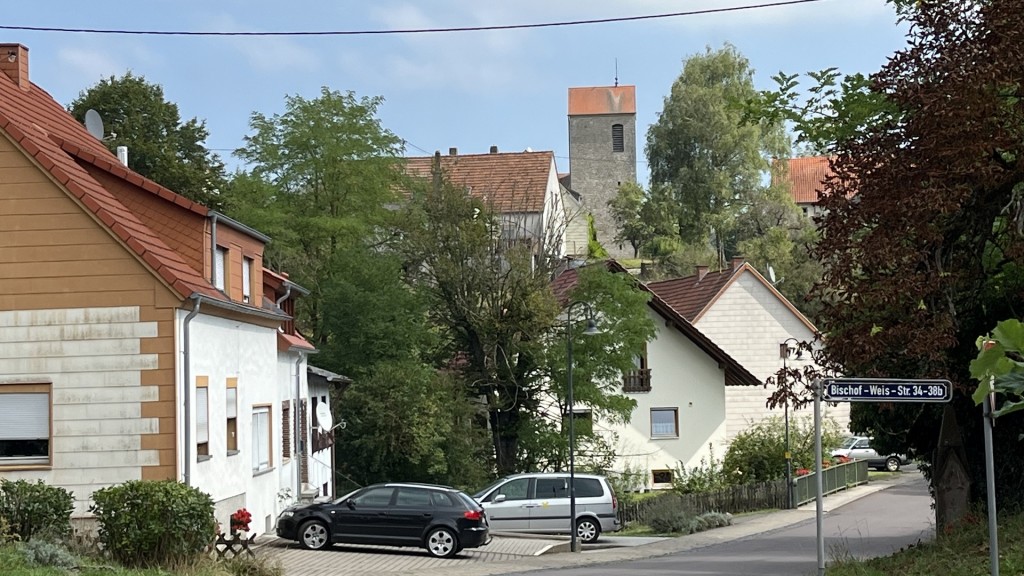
x=468, y=90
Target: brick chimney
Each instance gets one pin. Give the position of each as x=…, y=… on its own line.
x=494, y=149
x=702, y=271
x=737, y=263
x=453, y=151
x=14, y=63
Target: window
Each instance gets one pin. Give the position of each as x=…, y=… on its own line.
x=514, y=489
x=231, y=412
x=219, y=266
x=286, y=429
x=548, y=488
x=442, y=500
x=413, y=497
x=24, y=424
x=662, y=476
x=260, y=438
x=202, y=416
x=618, y=143
x=246, y=280
x=664, y=422
x=374, y=497
x=639, y=380
x=863, y=444
x=589, y=488
x=312, y=414
x=583, y=422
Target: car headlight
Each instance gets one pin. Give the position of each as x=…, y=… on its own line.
x=286, y=514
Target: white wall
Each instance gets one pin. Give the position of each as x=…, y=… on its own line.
x=222, y=349
x=91, y=356
x=683, y=377
x=320, y=470
x=749, y=323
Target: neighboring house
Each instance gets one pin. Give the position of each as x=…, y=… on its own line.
x=140, y=335
x=521, y=187
x=806, y=177
x=746, y=316
x=681, y=385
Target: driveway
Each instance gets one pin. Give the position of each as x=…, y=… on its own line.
x=355, y=560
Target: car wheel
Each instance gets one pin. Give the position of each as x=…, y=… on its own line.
x=313, y=535
x=442, y=543
x=892, y=464
x=587, y=530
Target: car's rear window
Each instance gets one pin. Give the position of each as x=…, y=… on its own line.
x=588, y=488
x=466, y=500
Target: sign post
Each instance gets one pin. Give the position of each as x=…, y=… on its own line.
x=864, y=390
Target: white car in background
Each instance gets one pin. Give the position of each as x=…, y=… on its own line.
x=859, y=448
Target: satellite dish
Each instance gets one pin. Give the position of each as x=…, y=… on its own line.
x=324, y=417
x=94, y=123
x=771, y=274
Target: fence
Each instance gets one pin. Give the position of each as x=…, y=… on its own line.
x=734, y=500
x=833, y=479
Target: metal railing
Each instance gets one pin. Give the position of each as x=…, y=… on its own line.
x=833, y=479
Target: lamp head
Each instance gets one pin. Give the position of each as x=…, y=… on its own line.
x=592, y=328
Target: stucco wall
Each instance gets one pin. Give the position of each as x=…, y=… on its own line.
x=749, y=323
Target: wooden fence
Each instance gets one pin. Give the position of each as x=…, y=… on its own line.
x=734, y=500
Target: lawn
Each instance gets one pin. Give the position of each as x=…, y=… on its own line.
x=13, y=563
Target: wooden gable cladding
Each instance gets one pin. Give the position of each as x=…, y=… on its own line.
x=239, y=246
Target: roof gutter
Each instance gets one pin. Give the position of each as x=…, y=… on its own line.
x=235, y=224
x=186, y=394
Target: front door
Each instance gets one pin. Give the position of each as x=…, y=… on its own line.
x=508, y=506
x=363, y=516
x=552, y=511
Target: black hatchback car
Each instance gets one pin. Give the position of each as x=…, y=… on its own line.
x=441, y=519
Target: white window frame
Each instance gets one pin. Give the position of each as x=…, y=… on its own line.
x=25, y=415
x=247, y=264
x=261, y=439
x=220, y=262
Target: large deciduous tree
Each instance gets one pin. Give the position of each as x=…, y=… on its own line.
x=161, y=146
x=921, y=243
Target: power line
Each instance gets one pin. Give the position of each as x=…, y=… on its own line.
x=405, y=30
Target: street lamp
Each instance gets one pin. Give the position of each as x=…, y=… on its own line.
x=590, y=331
x=784, y=353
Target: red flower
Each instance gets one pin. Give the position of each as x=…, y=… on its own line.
x=240, y=520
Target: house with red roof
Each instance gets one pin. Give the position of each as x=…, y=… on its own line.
x=141, y=336
x=805, y=176
x=523, y=189
x=681, y=385
x=741, y=312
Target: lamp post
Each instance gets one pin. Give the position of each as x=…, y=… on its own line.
x=784, y=353
x=591, y=330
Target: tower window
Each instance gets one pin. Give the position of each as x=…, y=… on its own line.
x=618, y=145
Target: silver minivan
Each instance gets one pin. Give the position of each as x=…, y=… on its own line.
x=539, y=503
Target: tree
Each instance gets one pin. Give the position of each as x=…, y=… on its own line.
x=492, y=301
x=921, y=243
x=160, y=146
x=645, y=219
x=626, y=211
x=701, y=148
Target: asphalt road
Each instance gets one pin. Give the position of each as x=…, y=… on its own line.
x=876, y=525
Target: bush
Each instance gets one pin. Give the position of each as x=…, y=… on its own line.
x=669, y=516
x=254, y=566
x=708, y=476
x=758, y=454
x=32, y=508
x=717, y=519
x=45, y=553
x=154, y=523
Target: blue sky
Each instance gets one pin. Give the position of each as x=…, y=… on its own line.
x=469, y=90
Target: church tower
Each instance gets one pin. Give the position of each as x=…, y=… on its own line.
x=602, y=153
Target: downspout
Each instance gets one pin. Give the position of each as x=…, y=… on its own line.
x=300, y=439
x=187, y=392
x=287, y=293
x=213, y=248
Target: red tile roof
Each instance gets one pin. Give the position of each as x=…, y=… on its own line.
x=45, y=131
x=691, y=295
x=511, y=182
x=602, y=100
x=735, y=373
x=806, y=175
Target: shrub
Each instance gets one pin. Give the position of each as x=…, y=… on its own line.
x=41, y=552
x=717, y=519
x=31, y=508
x=669, y=516
x=154, y=523
x=254, y=566
x=758, y=454
x=708, y=476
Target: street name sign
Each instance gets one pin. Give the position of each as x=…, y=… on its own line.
x=885, y=390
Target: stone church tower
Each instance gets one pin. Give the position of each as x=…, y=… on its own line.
x=602, y=153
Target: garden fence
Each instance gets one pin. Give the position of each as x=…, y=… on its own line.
x=734, y=500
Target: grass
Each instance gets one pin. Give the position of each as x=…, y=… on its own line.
x=876, y=475
x=13, y=564
x=962, y=552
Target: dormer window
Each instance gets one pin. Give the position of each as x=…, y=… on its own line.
x=246, y=280
x=219, y=266
x=618, y=143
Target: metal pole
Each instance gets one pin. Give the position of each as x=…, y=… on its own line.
x=990, y=487
x=789, y=463
x=573, y=544
x=819, y=513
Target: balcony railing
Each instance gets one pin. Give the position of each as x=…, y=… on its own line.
x=637, y=381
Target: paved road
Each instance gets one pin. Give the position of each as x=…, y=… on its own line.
x=875, y=525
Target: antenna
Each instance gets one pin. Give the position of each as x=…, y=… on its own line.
x=323, y=417
x=771, y=274
x=94, y=123
x=616, y=72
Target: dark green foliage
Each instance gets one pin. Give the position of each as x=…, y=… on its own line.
x=41, y=552
x=154, y=523
x=758, y=454
x=33, y=508
x=160, y=146
x=669, y=516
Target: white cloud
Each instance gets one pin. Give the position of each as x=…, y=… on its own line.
x=265, y=53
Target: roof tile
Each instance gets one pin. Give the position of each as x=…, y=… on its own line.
x=511, y=182
x=692, y=294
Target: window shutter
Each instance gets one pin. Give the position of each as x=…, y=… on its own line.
x=25, y=416
x=202, y=415
x=286, y=429
x=300, y=444
x=231, y=399
x=618, y=142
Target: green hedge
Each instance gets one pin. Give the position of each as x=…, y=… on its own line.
x=32, y=509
